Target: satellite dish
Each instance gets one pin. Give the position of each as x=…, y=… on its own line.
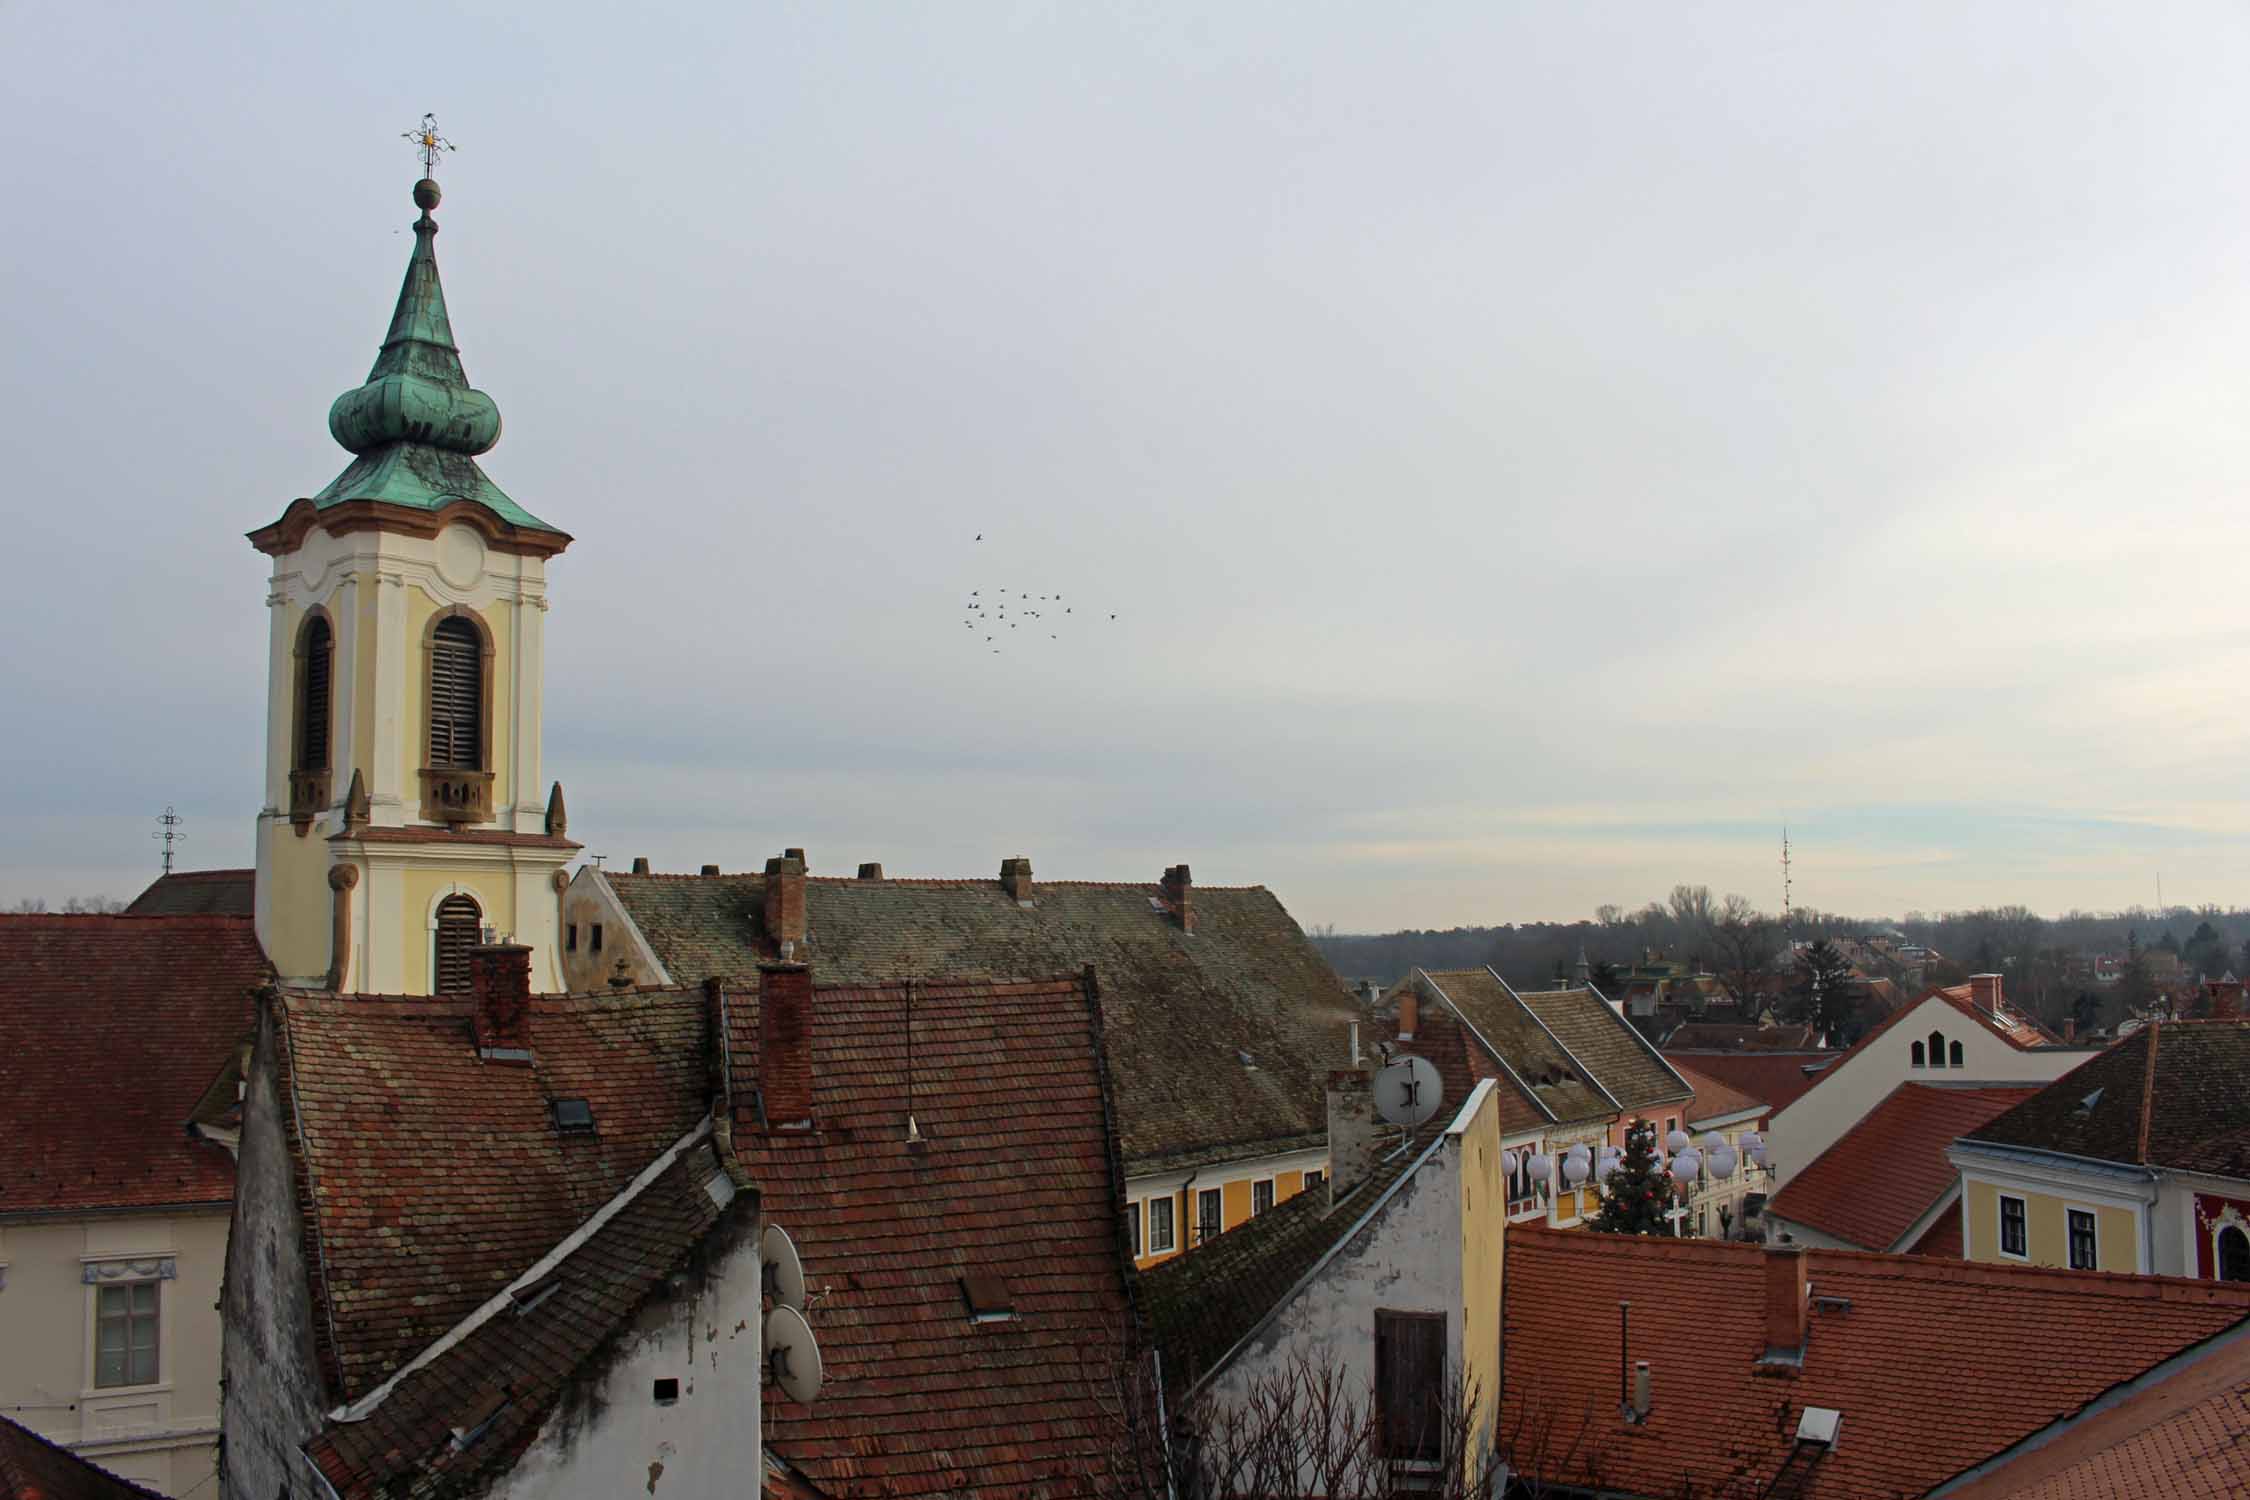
x=1408, y=1091
x=784, y=1273
x=792, y=1356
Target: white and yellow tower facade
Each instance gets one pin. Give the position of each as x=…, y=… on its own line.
x=405, y=809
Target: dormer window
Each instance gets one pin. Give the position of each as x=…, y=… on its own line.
x=988, y=1299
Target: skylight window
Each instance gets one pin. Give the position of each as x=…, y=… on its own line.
x=988, y=1299
x=574, y=1116
x=482, y=1413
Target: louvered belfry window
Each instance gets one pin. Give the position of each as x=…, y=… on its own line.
x=456, y=697
x=312, y=704
x=459, y=925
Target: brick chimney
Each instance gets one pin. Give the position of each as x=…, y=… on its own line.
x=1787, y=1296
x=785, y=901
x=710, y=872
x=785, y=1073
x=1984, y=991
x=1015, y=878
x=871, y=871
x=500, y=992
x=640, y=864
x=2070, y=1028
x=1179, y=895
x=1355, y=1132
x=1409, y=1011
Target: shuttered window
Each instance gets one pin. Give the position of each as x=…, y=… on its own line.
x=456, y=697
x=459, y=924
x=1410, y=1384
x=313, y=698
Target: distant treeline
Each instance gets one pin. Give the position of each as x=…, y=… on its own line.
x=1694, y=927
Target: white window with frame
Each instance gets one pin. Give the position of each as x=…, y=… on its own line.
x=128, y=1318
x=1161, y=1239
x=2083, y=1234
x=1261, y=1196
x=2015, y=1231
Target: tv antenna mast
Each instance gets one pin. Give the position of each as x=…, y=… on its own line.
x=169, y=832
x=1788, y=902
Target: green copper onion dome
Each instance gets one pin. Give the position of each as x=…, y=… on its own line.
x=417, y=392
x=417, y=425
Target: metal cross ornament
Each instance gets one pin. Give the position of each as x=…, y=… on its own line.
x=428, y=144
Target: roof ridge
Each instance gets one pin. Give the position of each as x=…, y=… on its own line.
x=182, y=918
x=2148, y=1094
x=945, y=881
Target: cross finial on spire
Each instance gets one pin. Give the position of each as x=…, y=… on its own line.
x=428, y=144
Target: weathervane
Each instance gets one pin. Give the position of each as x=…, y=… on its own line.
x=428, y=144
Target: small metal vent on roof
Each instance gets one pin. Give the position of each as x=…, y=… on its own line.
x=2086, y=1105
x=1819, y=1425
x=988, y=1299
x=574, y=1116
x=530, y=1296
x=1245, y=1058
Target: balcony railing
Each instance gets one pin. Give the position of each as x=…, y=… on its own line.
x=451, y=796
x=308, y=797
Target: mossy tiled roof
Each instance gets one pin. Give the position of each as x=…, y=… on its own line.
x=2174, y=1094
x=1560, y=1086
x=1619, y=1057
x=1179, y=1011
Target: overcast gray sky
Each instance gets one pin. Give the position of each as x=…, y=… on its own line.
x=1530, y=449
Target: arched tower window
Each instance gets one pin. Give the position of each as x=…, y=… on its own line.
x=1953, y=1053
x=316, y=671
x=1920, y=1058
x=460, y=923
x=1937, y=1050
x=2234, y=1254
x=456, y=696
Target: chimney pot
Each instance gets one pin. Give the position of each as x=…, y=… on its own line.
x=1015, y=878
x=1984, y=989
x=1179, y=895
x=785, y=901
x=1409, y=1013
x=2070, y=1028
x=640, y=864
x=1641, y=1390
x=1785, y=1302
x=871, y=871
x=500, y=1000
x=710, y=871
x=785, y=1077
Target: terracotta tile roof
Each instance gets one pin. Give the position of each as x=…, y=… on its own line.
x=1775, y=1078
x=150, y=1006
x=441, y=1177
x=1201, y=1305
x=1511, y=1034
x=1177, y=1009
x=1016, y=1179
x=32, y=1468
x=2171, y=1095
x=1629, y=1070
x=1444, y=1040
x=191, y=893
x=1884, y=1173
x=1714, y=1036
x=2184, y=1435
x=1935, y=1364
x=1943, y=1237
x=1714, y=1099
x=405, y=1443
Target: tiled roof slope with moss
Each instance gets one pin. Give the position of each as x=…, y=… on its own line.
x=182, y=893
x=111, y=1028
x=1629, y=1069
x=1514, y=1036
x=2174, y=1094
x=1179, y=1010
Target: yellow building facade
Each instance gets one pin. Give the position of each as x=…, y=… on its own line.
x=405, y=811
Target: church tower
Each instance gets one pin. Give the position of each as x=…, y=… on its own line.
x=404, y=808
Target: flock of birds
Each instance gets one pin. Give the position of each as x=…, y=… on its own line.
x=1001, y=611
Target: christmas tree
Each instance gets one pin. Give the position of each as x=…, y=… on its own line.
x=1639, y=1191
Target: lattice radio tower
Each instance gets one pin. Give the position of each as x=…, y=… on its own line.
x=169, y=831
x=1788, y=905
